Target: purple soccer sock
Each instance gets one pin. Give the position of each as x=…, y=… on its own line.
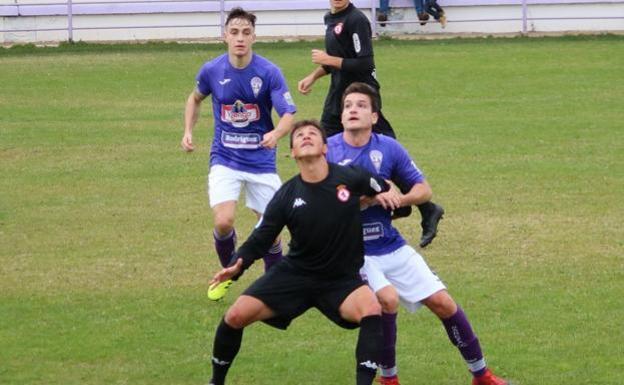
x=463, y=337
x=388, y=351
x=225, y=246
x=273, y=256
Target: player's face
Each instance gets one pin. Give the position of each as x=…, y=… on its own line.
x=239, y=37
x=308, y=142
x=338, y=5
x=357, y=113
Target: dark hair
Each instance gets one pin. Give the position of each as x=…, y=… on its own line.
x=306, y=123
x=363, y=88
x=239, y=13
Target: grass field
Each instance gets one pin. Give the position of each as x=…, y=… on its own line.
x=105, y=245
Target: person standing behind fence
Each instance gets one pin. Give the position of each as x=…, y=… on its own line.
x=349, y=58
x=245, y=87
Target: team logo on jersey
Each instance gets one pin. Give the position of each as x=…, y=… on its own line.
x=239, y=114
x=298, y=203
x=345, y=162
x=338, y=29
x=288, y=97
x=241, y=140
x=356, y=43
x=376, y=157
x=372, y=231
x=256, y=84
x=342, y=193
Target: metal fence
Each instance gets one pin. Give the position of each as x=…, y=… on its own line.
x=70, y=9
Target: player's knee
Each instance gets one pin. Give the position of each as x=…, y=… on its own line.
x=441, y=304
x=223, y=223
x=371, y=308
x=236, y=317
x=389, y=300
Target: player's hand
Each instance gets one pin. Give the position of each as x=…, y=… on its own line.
x=319, y=57
x=305, y=85
x=187, y=142
x=269, y=140
x=390, y=199
x=366, y=202
x=227, y=272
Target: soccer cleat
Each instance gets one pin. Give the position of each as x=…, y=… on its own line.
x=394, y=380
x=423, y=17
x=443, y=20
x=402, y=212
x=429, y=224
x=489, y=379
x=218, y=290
x=382, y=18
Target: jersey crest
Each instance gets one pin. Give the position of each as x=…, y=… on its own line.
x=342, y=193
x=376, y=157
x=256, y=84
x=338, y=28
x=240, y=114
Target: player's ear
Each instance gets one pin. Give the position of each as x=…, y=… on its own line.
x=324, y=149
x=375, y=117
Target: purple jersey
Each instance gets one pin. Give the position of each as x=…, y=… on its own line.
x=242, y=100
x=385, y=157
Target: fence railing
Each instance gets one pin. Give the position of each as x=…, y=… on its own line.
x=71, y=8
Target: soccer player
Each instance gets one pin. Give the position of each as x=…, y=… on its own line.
x=393, y=269
x=321, y=208
x=349, y=58
x=245, y=87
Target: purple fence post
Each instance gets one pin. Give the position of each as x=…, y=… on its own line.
x=222, y=12
x=70, y=22
x=374, y=17
x=524, y=17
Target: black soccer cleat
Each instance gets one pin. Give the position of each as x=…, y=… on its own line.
x=430, y=218
x=402, y=212
x=382, y=18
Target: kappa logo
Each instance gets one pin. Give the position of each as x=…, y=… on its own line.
x=298, y=203
x=218, y=362
x=342, y=193
x=224, y=81
x=369, y=364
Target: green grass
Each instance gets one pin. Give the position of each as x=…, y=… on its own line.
x=105, y=245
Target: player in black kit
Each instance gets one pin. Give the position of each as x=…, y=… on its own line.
x=321, y=208
x=349, y=58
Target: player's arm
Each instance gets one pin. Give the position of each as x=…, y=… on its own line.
x=361, y=35
x=191, y=115
x=284, y=125
x=406, y=173
x=305, y=85
x=419, y=193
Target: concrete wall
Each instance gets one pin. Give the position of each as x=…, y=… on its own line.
x=27, y=21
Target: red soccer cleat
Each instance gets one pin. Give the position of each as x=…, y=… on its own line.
x=394, y=380
x=489, y=379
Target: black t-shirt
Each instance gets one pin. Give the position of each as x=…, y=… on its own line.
x=348, y=35
x=323, y=219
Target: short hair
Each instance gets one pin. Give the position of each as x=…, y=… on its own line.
x=239, y=13
x=306, y=123
x=363, y=88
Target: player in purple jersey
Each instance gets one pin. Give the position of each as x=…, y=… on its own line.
x=245, y=87
x=393, y=269
x=348, y=57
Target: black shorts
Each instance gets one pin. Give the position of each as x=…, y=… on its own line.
x=290, y=292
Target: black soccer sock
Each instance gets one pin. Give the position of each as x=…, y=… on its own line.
x=227, y=342
x=426, y=208
x=368, y=349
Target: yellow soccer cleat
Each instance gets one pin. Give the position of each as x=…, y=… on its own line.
x=218, y=290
